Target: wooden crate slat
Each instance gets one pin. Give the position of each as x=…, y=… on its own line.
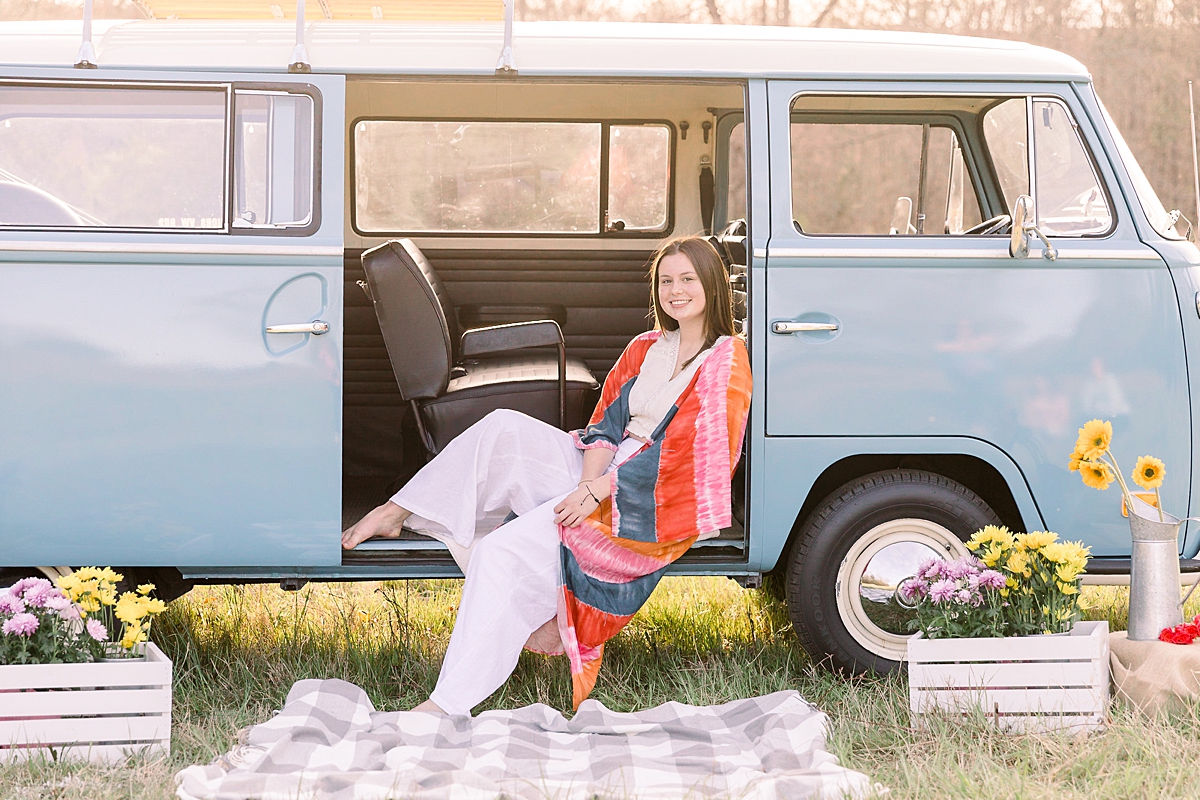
x=85, y=702
x=1065, y=674
x=1010, y=701
x=151, y=672
x=1023, y=648
x=98, y=753
x=156, y=727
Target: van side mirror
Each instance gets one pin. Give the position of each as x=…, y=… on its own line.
x=1022, y=227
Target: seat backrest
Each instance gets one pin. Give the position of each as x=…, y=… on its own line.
x=415, y=317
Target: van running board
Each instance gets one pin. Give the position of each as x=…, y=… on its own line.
x=1121, y=566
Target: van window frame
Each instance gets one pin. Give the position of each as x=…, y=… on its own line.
x=727, y=120
x=230, y=88
x=935, y=119
x=198, y=86
x=318, y=119
x=605, y=123
x=976, y=154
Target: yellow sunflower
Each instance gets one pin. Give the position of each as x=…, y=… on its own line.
x=1149, y=472
x=1096, y=475
x=1094, y=439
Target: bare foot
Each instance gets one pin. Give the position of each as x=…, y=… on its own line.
x=384, y=522
x=430, y=707
x=546, y=640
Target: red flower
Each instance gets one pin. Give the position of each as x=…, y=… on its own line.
x=1184, y=633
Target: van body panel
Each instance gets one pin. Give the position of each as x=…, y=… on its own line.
x=798, y=461
x=149, y=418
x=950, y=336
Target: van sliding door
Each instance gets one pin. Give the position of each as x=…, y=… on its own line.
x=170, y=286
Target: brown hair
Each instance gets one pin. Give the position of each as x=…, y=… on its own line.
x=718, y=298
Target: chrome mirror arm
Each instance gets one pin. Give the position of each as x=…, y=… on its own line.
x=1050, y=253
x=1022, y=226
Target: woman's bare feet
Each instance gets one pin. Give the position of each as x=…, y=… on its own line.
x=430, y=707
x=546, y=639
x=384, y=522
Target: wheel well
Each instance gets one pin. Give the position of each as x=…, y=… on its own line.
x=972, y=472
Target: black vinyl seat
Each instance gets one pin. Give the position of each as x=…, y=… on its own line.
x=451, y=382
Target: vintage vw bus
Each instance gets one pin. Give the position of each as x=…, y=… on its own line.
x=242, y=303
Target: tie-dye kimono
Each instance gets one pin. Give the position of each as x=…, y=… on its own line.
x=670, y=493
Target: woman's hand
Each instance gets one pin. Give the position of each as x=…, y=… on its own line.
x=575, y=507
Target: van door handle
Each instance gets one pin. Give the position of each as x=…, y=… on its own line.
x=802, y=327
x=316, y=327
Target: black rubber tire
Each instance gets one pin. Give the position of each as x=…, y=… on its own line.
x=827, y=535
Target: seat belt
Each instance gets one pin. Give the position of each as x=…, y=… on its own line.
x=708, y=195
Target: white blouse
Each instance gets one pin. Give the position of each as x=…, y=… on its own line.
x=655, y=391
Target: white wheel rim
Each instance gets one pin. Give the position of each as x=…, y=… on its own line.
x=938, y=540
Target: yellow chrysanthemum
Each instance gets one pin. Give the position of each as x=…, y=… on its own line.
x=1068, y=588
x=1018, y=563
x=991, y=557
x=1094, y=439
x=145, y=588
x=1149, y=472
x=1067, y=573
x=1035, y=540
x=990, y=534
x=129, y=608
x=1055, y=552
x=1096, y=474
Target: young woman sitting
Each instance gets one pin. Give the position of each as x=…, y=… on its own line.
x=601, y=512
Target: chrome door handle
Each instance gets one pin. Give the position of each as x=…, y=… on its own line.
x=317, y=328
x=802, y=327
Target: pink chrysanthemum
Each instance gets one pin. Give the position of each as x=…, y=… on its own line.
x=942, y=591
x=96, y=630
x=37, y=592
x=57, y=601
x=963, y=595
x=913, y=589
x=10, y=603
x=21, y=625
x=992, y=579
x=931, y=569
x=961, y=568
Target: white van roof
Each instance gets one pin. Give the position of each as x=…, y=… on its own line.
x=559, y=49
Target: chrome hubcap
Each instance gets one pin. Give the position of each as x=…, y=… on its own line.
x=873, y=570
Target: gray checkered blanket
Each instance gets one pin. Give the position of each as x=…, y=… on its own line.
x=329, y=742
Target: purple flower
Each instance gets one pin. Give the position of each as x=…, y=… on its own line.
x=21, y=625
x=57, y=601
x=37, y=592
x=96, y=630
x=961, y=568
x=963, y=595
x=942, y=591
x=992, y=579
x=976, y=599
x=913, y=589
x=20, y=586
x=10, y=603
x=931, y=569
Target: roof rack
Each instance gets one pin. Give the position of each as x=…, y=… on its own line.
x=391, y=10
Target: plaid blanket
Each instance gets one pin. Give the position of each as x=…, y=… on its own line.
x=328, y=742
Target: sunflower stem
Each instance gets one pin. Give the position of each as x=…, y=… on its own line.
x=1158, y=500
x=1120, y=479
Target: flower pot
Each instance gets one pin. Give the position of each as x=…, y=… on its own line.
x=1154, y=572
x=1026, y=683
x=102, y=711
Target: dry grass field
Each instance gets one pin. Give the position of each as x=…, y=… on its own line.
x=237, y=650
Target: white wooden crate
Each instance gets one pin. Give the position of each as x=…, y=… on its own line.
x=99, y=712
x=1027, y=683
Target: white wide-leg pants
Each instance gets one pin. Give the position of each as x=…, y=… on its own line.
x=505, y=462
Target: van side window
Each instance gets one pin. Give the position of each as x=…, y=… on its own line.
x=735, y=188
x=273, y=159
x=883, y=175
x=502, y=177
x=1068, y=197
x=129, y=158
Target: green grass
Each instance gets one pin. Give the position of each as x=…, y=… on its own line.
x=237, y=650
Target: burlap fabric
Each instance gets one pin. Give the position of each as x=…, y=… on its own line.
x=1154, y=676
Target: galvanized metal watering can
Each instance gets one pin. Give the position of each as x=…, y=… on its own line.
x=1154, y=574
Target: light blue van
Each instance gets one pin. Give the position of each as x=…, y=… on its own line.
x=233, y=295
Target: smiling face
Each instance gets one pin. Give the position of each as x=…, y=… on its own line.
x=680, y=292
